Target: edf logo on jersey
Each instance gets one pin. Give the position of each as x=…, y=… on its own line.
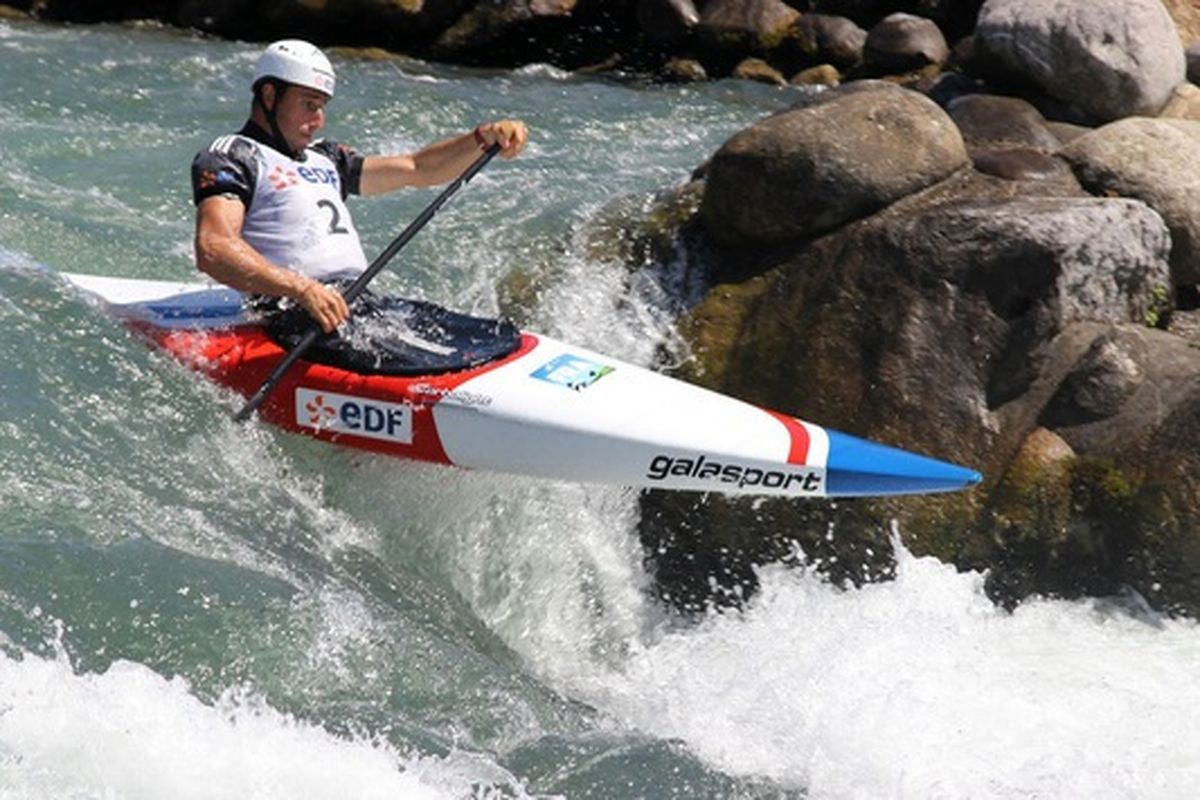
x=282, y=178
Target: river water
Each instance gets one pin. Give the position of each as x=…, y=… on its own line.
x=191, y=608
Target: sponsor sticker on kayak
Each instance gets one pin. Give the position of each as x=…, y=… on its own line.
x=573, y=372
x=665, y=468
x=359, y=416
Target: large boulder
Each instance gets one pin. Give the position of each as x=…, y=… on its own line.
x=1155, y=161
x=903, y=42
x=1110, y=58
x=807, y=171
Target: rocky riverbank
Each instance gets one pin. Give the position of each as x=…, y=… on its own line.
x=993, y=261
x=981, y=241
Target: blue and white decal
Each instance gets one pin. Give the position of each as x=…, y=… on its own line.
x=358, y=416
x=573, y=372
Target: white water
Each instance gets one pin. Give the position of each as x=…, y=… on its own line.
x=922, y=688
x=130, y=733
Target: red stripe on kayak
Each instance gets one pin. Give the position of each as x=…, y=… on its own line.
x=798, y=452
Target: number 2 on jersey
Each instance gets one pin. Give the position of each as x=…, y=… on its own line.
x=335, y=218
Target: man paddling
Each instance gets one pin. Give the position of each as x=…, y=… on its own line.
x=271, y=217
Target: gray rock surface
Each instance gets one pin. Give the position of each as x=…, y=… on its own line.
x=805, y=172
x=1154, y=160
x=1111, y=58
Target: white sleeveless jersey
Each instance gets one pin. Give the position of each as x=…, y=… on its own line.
x=296, y=214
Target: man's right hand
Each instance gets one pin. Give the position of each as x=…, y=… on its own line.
x=325, y=305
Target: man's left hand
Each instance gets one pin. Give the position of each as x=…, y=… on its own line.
x=510, y=134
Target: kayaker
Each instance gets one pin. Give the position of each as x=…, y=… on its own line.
x=271, y=216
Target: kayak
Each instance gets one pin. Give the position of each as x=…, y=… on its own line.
x=546, y=409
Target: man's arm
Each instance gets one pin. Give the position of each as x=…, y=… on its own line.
x=222, y=253
x=443, y=161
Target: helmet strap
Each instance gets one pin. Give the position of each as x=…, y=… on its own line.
x=281, y=142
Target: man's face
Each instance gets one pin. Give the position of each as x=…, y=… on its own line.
x=300, y=114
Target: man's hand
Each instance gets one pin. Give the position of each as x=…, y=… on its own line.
x=325, y=305
x=510, y=134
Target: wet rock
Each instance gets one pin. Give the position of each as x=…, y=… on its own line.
x=805, y=172
x=902, y=43
x=641, y=230
x=683, y=70
x=1153, y=160
x=820, y=75
x=755, y=69
x=1111, y=58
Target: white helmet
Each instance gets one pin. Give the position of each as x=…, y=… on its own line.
x=296, y=61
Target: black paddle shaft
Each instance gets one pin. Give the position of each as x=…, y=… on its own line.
x=360, y=283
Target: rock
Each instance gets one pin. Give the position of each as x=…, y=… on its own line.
x=955, y=17
x=683, y=70
x=746, y=26
x=805, y=172
x=488, y=22
x=925, y=326
x=639, y=231
x=755, y=69
x=988, y=121
x=903, y=43
x=732, y=30
x=1186, y=15
x=1127, y=407
x=1027, y=515
x=820, y=75
x=1193, y=63
x=1067, y=132
x=515, y=32
x=1111, y=58
x=667, y=22
x=1130, y=378
x=1021, y=164
x=834, y=39
x=919, y=318
x=1184, y=103
x=1008, y=138
x=949, y=86
x=1155, y=161
x=8, y=12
